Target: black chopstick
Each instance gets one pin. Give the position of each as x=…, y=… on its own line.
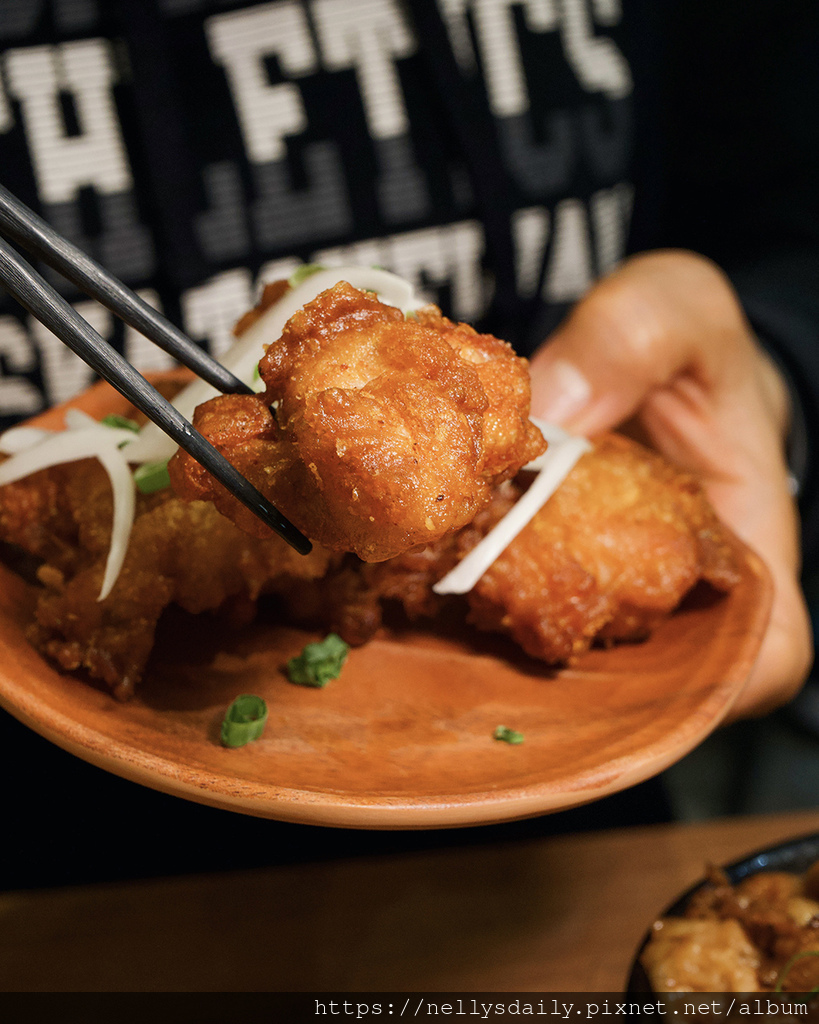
x=34, y=293
x=25, y=228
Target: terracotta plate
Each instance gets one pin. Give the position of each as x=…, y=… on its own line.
x=404, y=738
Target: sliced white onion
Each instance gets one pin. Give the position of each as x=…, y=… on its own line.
x=18, y=439
x=84, y=442
x=124, y=491
x=552, y=469
x=76, y=419
x=243, y=356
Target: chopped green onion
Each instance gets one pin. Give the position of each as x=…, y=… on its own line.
x=319, y=662
x=244, y=721
x=152, y=476
x=256, y=373
x=507, y=735
x=121, y=422
x=303, y=272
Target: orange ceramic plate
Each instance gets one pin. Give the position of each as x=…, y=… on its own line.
x=404, y=738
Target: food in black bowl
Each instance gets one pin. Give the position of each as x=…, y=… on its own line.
x=752, y=926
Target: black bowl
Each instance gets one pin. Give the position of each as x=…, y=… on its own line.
x=793, y=855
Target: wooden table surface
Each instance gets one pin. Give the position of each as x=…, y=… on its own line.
x=544, y=915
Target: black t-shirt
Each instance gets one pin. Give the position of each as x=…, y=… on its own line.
x=199, y=148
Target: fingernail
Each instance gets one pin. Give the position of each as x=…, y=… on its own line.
x=559, y=392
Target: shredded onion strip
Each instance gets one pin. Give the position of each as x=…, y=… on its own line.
x=19, y=439
x=84, y=442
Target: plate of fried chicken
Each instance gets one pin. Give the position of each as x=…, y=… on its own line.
x=609, y=632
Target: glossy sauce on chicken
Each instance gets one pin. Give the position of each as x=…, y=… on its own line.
x=759, y=935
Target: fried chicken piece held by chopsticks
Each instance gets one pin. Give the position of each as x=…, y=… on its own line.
x=377, y=432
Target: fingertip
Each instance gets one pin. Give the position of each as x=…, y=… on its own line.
x=560, y=391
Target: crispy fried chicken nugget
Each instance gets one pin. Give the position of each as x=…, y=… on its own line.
x=387, y=432
x=614, y=550
x=182, y=553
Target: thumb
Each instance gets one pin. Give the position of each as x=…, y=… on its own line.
x=658, y=318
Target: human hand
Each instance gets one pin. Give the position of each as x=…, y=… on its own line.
x=662, y=343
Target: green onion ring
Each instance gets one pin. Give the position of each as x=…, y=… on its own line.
x=244, y=721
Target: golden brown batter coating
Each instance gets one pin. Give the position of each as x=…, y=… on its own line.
x=389, y=432
x=243, y=429
x=182, y=553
